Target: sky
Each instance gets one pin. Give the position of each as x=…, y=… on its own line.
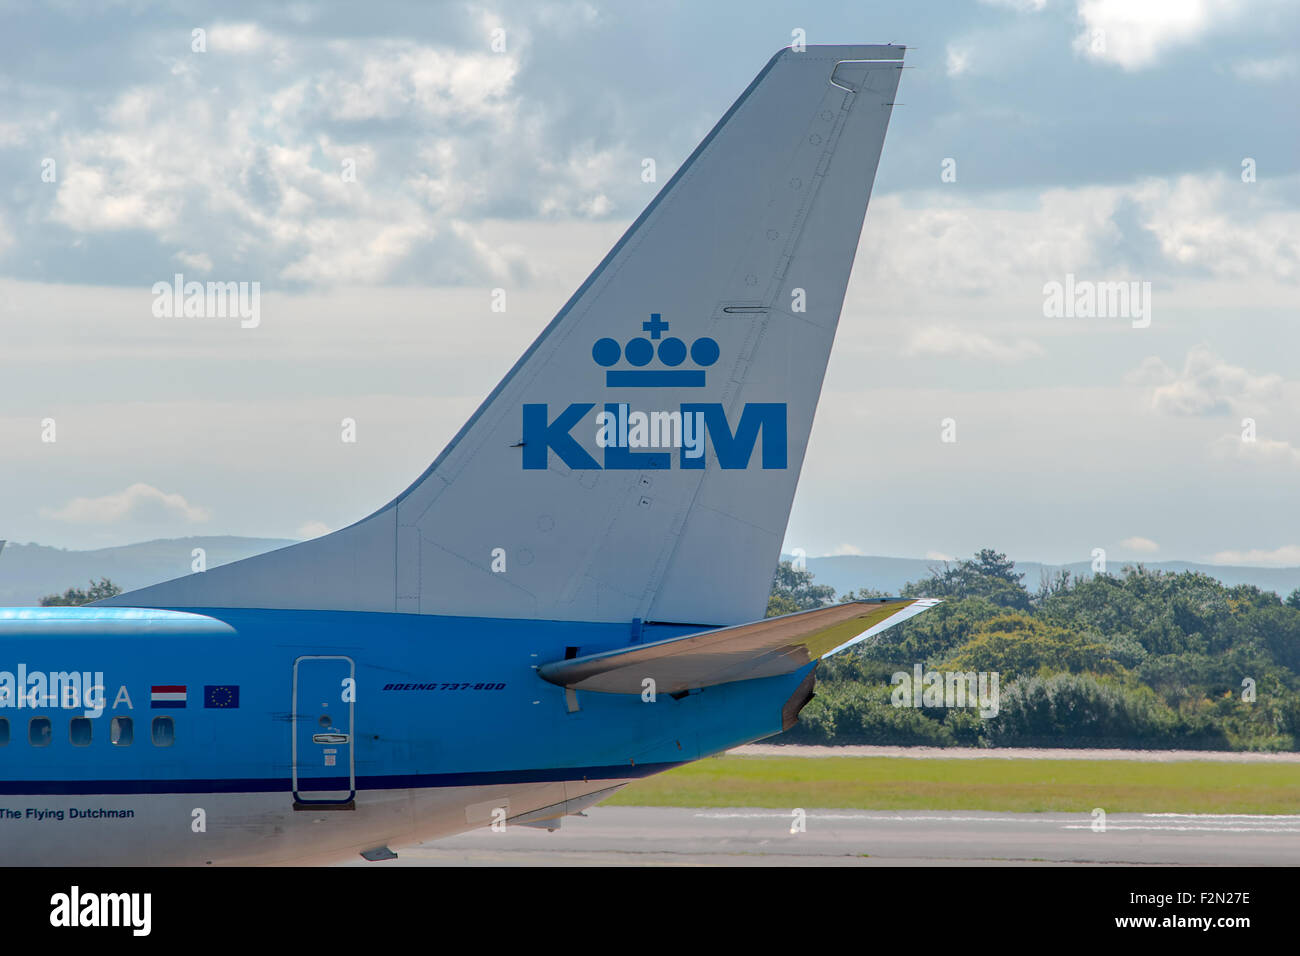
x=380, y=168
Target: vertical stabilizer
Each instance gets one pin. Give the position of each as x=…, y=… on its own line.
x=640, y=459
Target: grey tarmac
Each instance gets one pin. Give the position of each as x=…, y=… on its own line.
x=632, y=836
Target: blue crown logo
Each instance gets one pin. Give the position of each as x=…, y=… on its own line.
x=639, y=352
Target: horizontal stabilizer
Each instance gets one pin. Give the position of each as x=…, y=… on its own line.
x=767, y=648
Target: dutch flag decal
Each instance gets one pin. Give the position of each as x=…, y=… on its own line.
x=167, y=695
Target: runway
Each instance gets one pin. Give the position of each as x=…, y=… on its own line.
x=637, y=836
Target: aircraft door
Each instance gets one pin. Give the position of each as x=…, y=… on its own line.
x=324, y=695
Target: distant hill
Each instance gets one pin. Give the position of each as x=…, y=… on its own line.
x=850, y=572
x=28, y=572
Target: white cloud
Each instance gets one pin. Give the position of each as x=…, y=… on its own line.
x=1020, y=6
x=25, y=123
x=268, y=170
x=1286, y=556
x=400, y=78
x=1203, y=225
x=1261, y=451
x=945, y=340
x=598, y=205
x=1134, y=33
x=1265, y=71
x=195, y=260
x=989, y=244
x=958, y=60
x=1143, y=545
x=114, y=193
x=845, y=549
x=313, y=529
x=1152, y=371
x=1208, y=385
x=1222, y=226
x=137, y=502
x=350, y=250
x=571, y=179
x=238, y=38
x=938, y=556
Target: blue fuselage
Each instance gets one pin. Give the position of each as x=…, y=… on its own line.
x=437, y=702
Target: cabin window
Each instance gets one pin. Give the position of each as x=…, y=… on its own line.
x=39, y=732
x=122, y=731
x=79, y=731
x=164, y=732
x=4, y=731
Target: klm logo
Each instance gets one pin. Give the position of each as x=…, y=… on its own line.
x=640, y=352
x=621, y=432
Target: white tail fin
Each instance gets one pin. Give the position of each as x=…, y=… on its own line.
x=640, y=459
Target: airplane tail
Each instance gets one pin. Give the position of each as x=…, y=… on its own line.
x=640, y=459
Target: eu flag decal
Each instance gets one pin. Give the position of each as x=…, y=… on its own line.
x=222, y=696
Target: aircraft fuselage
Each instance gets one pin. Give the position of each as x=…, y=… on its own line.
x=242, y=736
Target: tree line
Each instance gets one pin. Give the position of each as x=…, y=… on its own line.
x=75, y=597
x=1145, y=659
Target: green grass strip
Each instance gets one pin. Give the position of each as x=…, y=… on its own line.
x=899, y=783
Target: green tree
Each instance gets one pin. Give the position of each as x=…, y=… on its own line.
x=1164, y=612
x=1078, y=710
x=1051, y=585
x=990, y=575
x=75, y=597
x=861, y=713
x=1016, y=645
x=933, y=634
x=862, y=594
x=793, y=590
x=1143, y=658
